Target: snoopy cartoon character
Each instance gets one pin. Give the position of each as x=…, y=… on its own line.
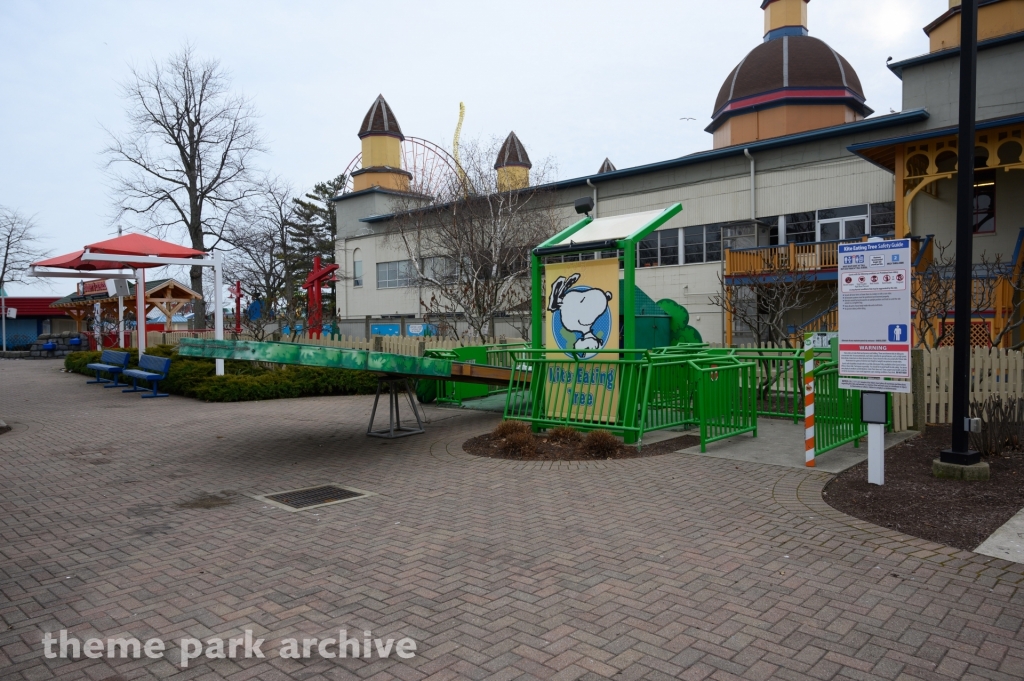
x=579, y=309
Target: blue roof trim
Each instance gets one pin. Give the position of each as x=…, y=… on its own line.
x=737, y=280
x=370, y=190
x=777, y=33
x=898, y=66
x=921, y=251
x=1016, y=249
x=934, y=132
x=890, y=120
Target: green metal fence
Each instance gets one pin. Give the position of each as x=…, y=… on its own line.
x=780, y=380
x=632, y=396
x=550, y=389
x=726, y=399
x=779, y=383
x=836, y=411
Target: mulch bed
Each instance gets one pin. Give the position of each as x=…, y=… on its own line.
x=952, y=512
x=489, y=446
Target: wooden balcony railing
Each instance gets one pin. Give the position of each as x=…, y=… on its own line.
x=795, y=257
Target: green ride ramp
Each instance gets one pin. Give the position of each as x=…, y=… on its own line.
x=317, y=356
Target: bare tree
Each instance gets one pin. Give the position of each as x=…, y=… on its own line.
x=993, y=284
x=261, y=251
x=468, y=246
x=933, y=297
x=185, y=159
x=19, y=246
x=769, y=302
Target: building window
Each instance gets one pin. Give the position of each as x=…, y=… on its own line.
x=713, y=243
x=668, y=247
x=658, y=248
x=394, y=274
x=702, y=243
x=440, y=269
x=800, y=228
x=985, y=202
x=841, y=224
x=647, y=251
x=774, y=238
x=883, y=219
x=357, y=268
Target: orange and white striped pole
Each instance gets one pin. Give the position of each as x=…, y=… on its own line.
x=809, y=402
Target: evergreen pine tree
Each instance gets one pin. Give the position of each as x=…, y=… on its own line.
x=312, y=231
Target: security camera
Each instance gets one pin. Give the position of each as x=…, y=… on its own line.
x=584, y=205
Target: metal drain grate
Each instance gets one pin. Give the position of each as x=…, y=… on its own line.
x=314, y=496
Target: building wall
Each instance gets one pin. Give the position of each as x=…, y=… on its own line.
x=994, y=20
x=787, y=181
x=693, y=287
x=368, y=299
x=935, y=86
x=936, y=215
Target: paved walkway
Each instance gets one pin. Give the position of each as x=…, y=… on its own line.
x=781, y=443
x=1006, y=542
x=675, y=566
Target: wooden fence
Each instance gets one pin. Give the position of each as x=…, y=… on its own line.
x=994, y=372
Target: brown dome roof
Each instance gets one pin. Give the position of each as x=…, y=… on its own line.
x=606, y=167
x=789, y=69
x=380, y=120
x=512, y=153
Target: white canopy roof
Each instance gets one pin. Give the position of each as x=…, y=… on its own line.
x=611, y=228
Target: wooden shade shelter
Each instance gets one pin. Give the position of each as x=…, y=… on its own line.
x=166, y=295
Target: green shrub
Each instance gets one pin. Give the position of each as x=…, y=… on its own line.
x=242, y=381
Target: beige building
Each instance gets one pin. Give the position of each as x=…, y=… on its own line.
x=798, y=164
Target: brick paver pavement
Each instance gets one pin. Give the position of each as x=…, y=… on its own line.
x=673, y=566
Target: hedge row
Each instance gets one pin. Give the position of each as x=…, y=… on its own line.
x=242, y=381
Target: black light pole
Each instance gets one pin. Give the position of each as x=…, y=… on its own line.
x=960, y=452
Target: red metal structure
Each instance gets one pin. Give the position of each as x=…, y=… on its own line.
x=314, y=305
x=236, y=293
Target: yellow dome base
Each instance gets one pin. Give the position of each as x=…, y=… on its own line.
x=781, y=120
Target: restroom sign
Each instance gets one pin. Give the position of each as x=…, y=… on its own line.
x=874, y=309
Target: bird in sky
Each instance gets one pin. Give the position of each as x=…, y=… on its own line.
x=687, y=118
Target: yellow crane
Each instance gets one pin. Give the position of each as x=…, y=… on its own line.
x=455, y=147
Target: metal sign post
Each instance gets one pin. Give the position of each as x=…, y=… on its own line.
x=873, y=410
x=874, y=329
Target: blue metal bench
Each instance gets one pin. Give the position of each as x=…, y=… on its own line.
x=152, y=369
x=111, y=362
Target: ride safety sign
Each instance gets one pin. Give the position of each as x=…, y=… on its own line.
x=874, y=309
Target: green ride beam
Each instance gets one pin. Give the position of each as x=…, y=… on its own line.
x=316, y=356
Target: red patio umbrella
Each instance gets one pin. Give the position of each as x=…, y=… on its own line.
x=141, y=244
x=70, y=261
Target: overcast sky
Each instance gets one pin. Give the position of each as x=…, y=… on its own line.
x=577, y=81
